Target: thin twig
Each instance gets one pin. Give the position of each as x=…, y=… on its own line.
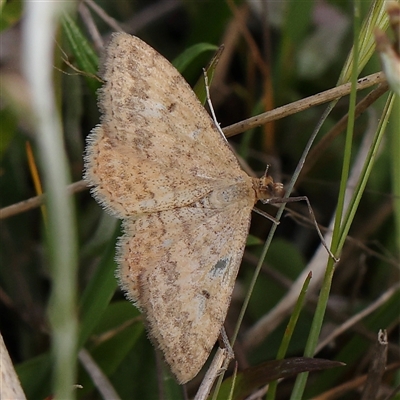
x=104, y=16
x=102, y=383
x=91, y=26
x=358, y=317
x=303, y=104
x=37, y=201
x=150, y=14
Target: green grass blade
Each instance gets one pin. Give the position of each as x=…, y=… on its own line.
x=83, y=52
x=376, y=17
x=98, y=293
x=288, y=333
x=39, y=30
x=318, y=319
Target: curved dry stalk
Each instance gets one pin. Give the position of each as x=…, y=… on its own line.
x=303, y=104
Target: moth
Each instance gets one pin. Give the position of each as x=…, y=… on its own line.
x=158, y=162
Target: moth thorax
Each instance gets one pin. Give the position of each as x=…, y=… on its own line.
x=266, y=188
x=233, y=195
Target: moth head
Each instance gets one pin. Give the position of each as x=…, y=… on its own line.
x=266, y=189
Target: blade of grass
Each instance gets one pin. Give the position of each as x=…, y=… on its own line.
x=185, y=58
x=200, y=86
x=395, y=145
x=289, y=332
x=365, y=173
x=83, y=52
x=98, y=293
x=38, y=41
x=298, y=389
x=376, y=17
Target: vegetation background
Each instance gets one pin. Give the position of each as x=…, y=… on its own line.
x=62, y=315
